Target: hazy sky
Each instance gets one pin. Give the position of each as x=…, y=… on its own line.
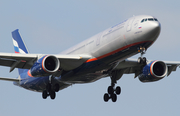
x=53, y=26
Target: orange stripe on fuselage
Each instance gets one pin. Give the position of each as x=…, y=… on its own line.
x=118, y=50
x=90, y=60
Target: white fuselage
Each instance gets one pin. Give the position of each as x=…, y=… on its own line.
x=114, y=44
x=118, y=36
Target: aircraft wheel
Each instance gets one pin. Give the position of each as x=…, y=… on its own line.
x=140, y=60
x=106, y=97
x=110, y=90
x=56, y=87
x=44, y=94
x=114, y=97
x=144, y=60
x=52, y=94
x=118, y=90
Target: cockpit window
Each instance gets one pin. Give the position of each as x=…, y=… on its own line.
x=155, y=19
x=142, y=21
x=149, y=19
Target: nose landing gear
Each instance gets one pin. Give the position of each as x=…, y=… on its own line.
x=142, y=60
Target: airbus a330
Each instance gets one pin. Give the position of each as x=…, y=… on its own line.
x=106, y=54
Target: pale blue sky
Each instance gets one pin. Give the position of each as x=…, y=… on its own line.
x=53, y=26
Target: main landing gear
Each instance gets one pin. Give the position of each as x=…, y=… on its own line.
x=50, y=91
x=113, y=91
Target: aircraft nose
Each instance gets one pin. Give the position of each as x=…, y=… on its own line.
x=153, y=30
x=156, y=27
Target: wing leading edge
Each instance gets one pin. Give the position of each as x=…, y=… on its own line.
x=26, y=61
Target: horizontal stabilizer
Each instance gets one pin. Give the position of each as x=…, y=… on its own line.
x=9, y=79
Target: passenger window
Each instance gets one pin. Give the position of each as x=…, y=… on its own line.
x=142, y=21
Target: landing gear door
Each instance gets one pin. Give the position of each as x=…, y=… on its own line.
x=129, y=25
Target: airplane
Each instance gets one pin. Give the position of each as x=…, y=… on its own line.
x=107, y=54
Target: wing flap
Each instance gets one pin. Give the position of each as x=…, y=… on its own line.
x=9, y=63
x=24, y=61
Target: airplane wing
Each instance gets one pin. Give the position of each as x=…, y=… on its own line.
x=130, y=66
x=26, y=61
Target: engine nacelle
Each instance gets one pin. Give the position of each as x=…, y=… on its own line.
x=153, y=71
x=45, y=66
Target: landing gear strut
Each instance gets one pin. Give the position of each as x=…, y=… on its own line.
x=112, y=91
x=142, y=60
x=50, y=91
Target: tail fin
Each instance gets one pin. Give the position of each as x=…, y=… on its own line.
x=19, y=45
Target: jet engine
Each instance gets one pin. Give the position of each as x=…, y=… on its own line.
x=153, y=71
x=45, y=66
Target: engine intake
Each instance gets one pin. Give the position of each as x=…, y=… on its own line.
x=153, y=71
x=45, y=66
x=49, y=63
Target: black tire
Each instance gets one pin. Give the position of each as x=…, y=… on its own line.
x=56, y=87
x=110, y=90
x=140, y=60
x=114, y=97
x=53, y=94
x=106, y=97
x=44, y=94
x=144, y=60
x=118, y=90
